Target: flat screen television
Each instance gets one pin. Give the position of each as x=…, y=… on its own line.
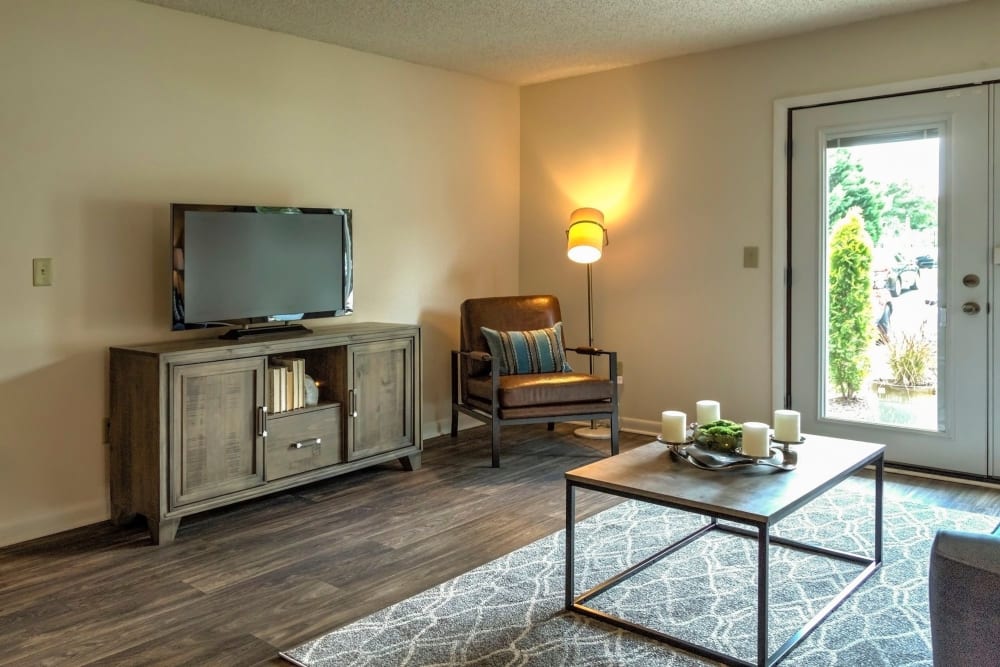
x=259, y=269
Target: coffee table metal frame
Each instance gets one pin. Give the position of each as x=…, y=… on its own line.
x=759, y=530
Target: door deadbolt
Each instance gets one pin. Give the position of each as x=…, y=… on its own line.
x=970, y=307
x=970, y=280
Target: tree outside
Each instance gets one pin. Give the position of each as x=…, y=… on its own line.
x=848, y=187
x=849, y=308
x=887, y=209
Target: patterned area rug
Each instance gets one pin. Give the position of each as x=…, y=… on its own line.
x=510, y=611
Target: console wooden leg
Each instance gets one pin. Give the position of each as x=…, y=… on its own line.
x=163, y=531
x=411, y=462
x=121, y=516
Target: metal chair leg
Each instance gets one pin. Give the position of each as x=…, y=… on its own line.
x=495, y=442
x=614, y=432
x=454, y=393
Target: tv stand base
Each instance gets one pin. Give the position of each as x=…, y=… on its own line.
x=280, y=330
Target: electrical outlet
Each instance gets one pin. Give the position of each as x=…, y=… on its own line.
x=41, y=271
x=621, y=372
x=750, y=256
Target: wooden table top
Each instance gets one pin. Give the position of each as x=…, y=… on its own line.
x=757, y=494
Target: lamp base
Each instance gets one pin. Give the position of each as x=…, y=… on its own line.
x=593, y=432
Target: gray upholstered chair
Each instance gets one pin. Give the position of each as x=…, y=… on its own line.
x=498, y=391
x=964, y=590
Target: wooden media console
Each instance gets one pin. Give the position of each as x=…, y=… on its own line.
x=193, y=428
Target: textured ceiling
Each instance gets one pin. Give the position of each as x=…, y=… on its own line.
x=530, y=41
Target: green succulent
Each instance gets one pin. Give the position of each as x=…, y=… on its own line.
x=722, y=435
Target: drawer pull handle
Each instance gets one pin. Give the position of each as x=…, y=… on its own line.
x=262, y=421
x=307, y=443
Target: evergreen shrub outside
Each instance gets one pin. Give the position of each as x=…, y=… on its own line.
x=849, y=307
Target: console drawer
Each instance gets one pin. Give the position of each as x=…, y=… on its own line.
x=298, y=443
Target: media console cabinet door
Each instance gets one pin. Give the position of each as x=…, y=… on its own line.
x=381, y=411
x=215, y=445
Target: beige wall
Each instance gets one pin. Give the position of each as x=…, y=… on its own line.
x=678, y=153
x=112, y=109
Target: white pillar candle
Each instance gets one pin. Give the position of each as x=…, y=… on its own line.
x=786, y=426
x=674, y=426
x=708, y=411
x=755, y=440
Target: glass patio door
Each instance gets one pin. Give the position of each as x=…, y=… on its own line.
x=890, y=265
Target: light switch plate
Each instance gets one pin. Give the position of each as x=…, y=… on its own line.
x=750, y=256
x=41, y=271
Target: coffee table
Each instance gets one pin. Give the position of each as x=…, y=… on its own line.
x=755, y=497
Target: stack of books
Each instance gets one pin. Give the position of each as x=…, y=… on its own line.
x=286, y=384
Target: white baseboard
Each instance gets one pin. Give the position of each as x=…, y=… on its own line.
x=641, y=426
x=443, y=426
x=41, y=525
x=987, y=484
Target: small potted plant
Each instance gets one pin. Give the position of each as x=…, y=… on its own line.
x=721, y=435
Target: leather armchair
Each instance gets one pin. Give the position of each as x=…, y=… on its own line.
x=964, y=596
x=479, y=389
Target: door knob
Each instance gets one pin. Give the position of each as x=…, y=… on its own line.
x=970, y=307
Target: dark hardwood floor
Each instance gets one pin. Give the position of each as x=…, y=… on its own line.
x=243, y=582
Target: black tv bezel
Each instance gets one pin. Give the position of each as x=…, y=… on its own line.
x=262, y=324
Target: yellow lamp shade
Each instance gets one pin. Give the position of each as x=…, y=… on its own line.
x=585, y=236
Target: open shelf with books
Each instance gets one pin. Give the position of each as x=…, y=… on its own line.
x=286, y=385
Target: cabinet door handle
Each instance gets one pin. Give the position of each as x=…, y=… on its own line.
x=262, y=421
x=354, y=403
x=314, y=442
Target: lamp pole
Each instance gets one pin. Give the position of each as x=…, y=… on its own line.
x=590, y=328
x=590, y=317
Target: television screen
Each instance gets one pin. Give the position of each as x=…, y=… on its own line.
x=242, y=265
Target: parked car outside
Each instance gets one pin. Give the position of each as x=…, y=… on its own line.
x=894, y=272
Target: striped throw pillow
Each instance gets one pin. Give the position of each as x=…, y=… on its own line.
x=520, y=352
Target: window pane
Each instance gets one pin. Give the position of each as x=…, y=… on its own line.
x=881, y=315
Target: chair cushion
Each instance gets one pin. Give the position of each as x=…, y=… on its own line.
x=543, y=389
x=535, y=351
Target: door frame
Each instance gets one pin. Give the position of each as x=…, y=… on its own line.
x=781, y=198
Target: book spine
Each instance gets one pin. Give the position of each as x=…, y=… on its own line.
x=282, y=390
x=300, y=383
x=269, y=392
x=277, y=404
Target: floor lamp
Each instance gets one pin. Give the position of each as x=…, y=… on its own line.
x=586, y=238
